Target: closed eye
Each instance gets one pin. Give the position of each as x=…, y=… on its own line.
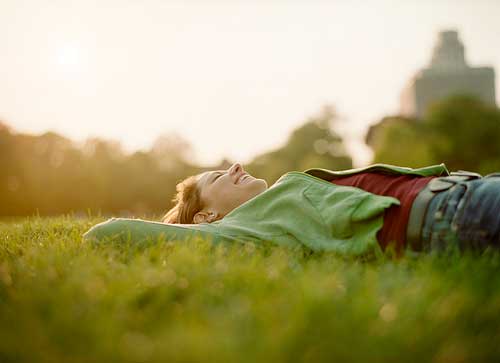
x=216, y=177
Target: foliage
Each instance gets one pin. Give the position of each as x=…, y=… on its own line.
x=465, y=132
x=315, y=144
x=49, y=174
x=62, y=300
x=460, y=131
x=400, y=141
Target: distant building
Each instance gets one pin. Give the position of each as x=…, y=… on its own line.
x=448, y=73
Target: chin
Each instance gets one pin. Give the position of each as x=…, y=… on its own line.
x=254, y=187
x=263, y=183
x=260, y=185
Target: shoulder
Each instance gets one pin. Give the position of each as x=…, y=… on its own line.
x=432, y=170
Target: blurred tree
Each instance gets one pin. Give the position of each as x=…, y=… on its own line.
x=464, y=132
x=10, y=171
x=400, y=141
x=314, y=144
x=173, y=158
x=171, y=150
x=49, y=174
x=460, y=131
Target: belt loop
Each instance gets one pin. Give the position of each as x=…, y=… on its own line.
x=417, y=216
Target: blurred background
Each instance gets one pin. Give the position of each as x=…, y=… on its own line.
x=106, y=105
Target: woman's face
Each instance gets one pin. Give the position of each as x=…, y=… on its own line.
x=223, y=190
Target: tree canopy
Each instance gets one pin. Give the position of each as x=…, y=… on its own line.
x=50, y=174
x=313, y=144
x=460, y=131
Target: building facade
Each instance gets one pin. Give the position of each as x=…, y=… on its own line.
x=447, y=74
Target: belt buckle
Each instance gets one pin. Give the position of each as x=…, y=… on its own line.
x=446, y=182
x=440, y=184
x=470, y=174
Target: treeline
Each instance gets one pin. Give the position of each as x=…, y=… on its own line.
x=49, y=174
x=460, y=131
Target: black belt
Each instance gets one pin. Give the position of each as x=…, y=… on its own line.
x=422, y=201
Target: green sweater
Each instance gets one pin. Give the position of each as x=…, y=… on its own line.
x=300, y=209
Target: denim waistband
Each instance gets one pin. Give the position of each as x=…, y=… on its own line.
x=421, y=205
x=441, y=213
x=465, y=215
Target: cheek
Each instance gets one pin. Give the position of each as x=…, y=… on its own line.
x=232, y=196
x=223, y=195
x=250, y=191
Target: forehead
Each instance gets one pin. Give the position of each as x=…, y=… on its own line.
x=206, y=177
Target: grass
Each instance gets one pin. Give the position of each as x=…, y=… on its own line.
x=63, y=300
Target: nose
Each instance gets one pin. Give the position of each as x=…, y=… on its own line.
x=236, y=169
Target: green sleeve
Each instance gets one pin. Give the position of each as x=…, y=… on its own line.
x=141, y=231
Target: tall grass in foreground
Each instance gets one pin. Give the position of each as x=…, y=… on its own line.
x=62, y=300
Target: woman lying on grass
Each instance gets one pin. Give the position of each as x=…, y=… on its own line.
x=351, y=212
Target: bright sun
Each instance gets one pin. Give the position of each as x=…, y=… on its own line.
x=69, y=57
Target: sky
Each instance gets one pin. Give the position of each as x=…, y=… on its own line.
x=232, y=77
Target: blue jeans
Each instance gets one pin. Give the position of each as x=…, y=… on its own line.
x=466, y=216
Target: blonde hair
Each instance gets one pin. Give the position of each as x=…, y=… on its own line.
x=187, y=202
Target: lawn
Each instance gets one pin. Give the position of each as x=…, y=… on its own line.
x=64, y=300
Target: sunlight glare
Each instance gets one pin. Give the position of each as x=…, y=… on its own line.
x=68, y=58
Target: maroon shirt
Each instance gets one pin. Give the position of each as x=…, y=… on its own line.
x=403, y=187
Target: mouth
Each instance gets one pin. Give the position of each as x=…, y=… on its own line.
x=242, y=178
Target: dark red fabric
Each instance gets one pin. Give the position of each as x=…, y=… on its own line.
x=403, y=187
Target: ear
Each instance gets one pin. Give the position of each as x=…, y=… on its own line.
x=204, y=217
